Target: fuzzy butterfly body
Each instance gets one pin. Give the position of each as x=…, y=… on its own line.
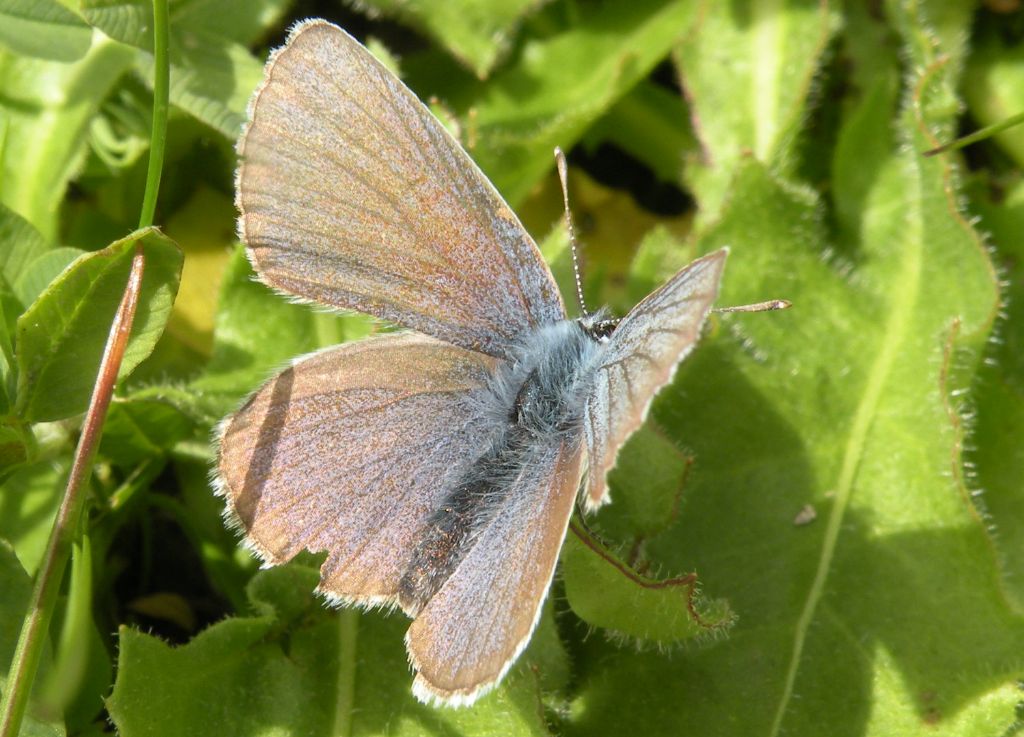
x=531, y=408
x=438, y=468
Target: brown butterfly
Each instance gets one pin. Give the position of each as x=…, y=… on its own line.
x=437, y=468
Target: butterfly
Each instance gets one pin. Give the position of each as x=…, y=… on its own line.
x=437, y=468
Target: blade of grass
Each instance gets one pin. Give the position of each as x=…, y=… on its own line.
x=51, y=570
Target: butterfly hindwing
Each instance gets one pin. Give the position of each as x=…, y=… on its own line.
x=349, y=451
x=469, y=633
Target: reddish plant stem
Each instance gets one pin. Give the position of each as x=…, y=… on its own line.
x=65, y=526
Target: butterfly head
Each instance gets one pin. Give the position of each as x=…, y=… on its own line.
x=598, y=325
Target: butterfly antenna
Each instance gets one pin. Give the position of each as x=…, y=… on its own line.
x=563, y=176
x=769, y=306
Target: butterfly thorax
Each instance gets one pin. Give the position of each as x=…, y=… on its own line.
x=545, y=384
x=539, y=398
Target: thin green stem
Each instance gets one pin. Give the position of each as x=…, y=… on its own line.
x=986, y=132
x=348, y=645
x=32, y=638
x=161, y=86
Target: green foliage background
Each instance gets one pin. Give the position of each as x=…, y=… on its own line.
x=844, y=477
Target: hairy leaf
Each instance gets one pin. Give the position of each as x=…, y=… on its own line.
x=61, y=336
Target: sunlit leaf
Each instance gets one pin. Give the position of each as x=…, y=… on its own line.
x=62, y=334
x=748, y=69
x=139, y=428
x=993, y=87
x=848, y=403
x=995, y=453
x=212, y=75
x=297, y=664
x=43, y=28
x=20, y=245
x=45, y=110
x=606, y=592
x=27, y=507
x=477, y=32
x=560, y=85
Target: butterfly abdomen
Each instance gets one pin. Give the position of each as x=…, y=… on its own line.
x=537, y=398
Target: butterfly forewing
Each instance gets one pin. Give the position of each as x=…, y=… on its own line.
x=349, y=451
x=468, y=634
x=641, y=357
x=353, y=195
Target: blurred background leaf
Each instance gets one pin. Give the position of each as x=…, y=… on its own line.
x=477, y=32
x=44, y=29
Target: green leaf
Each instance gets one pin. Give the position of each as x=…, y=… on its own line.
x=62, y=335
x=606, y=592
x=20, y=245
x=659, y=256
x=28, y=505
x=131, y=21
x=17, y=586
x=127, y=21
x=39, y=273
x=139, y=428
x=9, y=308
x=211, y=79
x=43, y=28
x=849, y=402
x=992, y=87
x=861, y=153
x=651, y=123
x=81, y=671
x=212, y=76
x=45, y=111
x=748, y=69
x=643, y=510
x=300, y=666
x=996, y=453
x=246, y=352
x=17, y=444
x=478, y=32
x=228, y=568
x=243, y=21
x=563, y=84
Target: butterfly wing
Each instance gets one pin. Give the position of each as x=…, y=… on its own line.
x=349, y=451
x=468, y=635
x=641, y=357
x=353, y=195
